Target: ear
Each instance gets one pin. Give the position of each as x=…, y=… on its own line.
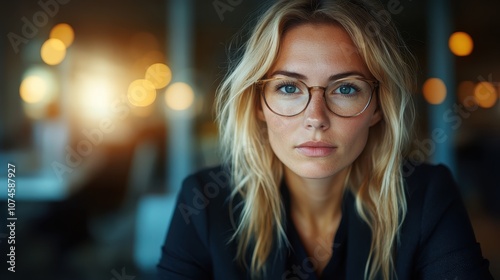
x=376, y=117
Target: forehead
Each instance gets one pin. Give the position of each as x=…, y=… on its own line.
x=318, y=48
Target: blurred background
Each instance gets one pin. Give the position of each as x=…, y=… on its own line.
x=105, y=106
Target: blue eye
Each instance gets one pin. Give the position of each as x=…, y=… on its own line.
x=347, y=89
x=288, y=89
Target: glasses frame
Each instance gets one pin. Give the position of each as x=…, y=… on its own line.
x=374, y=84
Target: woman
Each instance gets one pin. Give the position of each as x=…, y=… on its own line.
x=314, y=122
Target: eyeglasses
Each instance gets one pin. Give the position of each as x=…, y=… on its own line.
x=346, y=97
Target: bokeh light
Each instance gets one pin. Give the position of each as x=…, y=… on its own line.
x=485, y=94
x=95, y=95
x=53, y=51
x=159, y=74
x=179, y=96
x=141, y=93
x=48, y=76
x=97, y=86
x=33, y=89
x=461, y=43
x=63, y=32
x=434, y=91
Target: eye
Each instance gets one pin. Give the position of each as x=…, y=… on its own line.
x=288, y=88
x=347, y=89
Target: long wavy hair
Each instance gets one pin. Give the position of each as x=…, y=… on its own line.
x=375, y=177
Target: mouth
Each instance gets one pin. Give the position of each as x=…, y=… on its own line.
x=315, y=149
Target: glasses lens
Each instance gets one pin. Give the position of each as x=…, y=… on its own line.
x=348, y=97
x=286, y=96
x=345, y=97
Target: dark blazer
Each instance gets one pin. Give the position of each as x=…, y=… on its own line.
x=436, y=240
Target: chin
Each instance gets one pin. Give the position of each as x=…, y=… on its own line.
x=316, y=171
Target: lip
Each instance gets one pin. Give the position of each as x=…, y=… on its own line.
x=315, y=149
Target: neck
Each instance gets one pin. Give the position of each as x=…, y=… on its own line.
x=317, y=202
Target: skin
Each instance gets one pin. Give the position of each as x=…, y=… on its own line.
x=316, y=183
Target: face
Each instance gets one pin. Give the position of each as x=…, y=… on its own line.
x=316, y=143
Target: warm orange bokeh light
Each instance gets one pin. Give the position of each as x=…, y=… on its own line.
x=461, y=43
x=33, y=89
x=159, y=74
x=485, y=94
x=434, y=91
x=53, y=51
x=63, y=32
x=179, y=96
x=141, y=93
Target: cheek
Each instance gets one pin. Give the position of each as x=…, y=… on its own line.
x=355, y=134
x=276, y=127
x=278, y=131
x=358, y=127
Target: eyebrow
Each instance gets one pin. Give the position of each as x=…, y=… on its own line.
x=303, y=77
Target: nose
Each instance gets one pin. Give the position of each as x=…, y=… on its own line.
x=316, y=113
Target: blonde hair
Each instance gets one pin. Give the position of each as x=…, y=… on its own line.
x=375, y=178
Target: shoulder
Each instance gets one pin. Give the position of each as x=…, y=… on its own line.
x=204, y=194
x=197, y=238
x=426, y=175
x=431, y=191
x=437, y=234
x=210, y=181
x=431, y=186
